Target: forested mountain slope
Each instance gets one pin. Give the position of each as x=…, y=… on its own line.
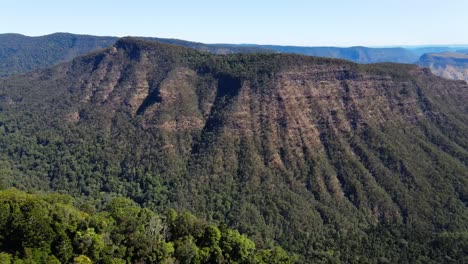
x=355, y=54
x=38, y=228
x=19, y=53
x=333, y=160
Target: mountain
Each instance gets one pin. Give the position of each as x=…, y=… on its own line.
x=355, y=54
x=20, y=53
x=366, y=54
x=213, y=48
x=333, y=160
x=448, y=65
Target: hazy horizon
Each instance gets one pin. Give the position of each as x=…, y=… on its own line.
x=252, y=44
x=295, y=23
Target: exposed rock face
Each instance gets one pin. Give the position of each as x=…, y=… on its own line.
x=448, y=65
x=301, y=143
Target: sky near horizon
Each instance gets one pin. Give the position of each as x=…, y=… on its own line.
x=291, y=22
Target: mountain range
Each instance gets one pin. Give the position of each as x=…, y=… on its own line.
x=332, y=160
x=449, y=65
x=20, y=53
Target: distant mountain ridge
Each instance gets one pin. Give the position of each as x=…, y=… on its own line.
x=357, y=54
x=19, y=53
x=449, y=65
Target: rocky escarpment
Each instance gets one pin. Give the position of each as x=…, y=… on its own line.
x=448, y=65
x=286, y=148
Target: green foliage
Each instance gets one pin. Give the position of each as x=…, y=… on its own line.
x=274, y=256
x=331, y=160
x=81, y=259
x=237, y=247
x=124, y=233
x=5, y=258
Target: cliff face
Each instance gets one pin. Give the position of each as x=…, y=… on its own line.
x=448, y=65
x=284, y=147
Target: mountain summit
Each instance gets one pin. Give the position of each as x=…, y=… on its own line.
x=19, y=53
x=331, y=159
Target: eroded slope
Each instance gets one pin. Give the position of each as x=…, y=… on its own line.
x=306, y=151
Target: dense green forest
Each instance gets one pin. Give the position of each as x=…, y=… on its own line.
x=55, y=228
x=331, y=160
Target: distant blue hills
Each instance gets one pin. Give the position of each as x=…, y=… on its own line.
x=19, y=53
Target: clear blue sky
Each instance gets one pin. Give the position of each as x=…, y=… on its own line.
x=286, y=22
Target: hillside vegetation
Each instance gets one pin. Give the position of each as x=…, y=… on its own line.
x=335, y=161
x=37, y=228
x=20, y=53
